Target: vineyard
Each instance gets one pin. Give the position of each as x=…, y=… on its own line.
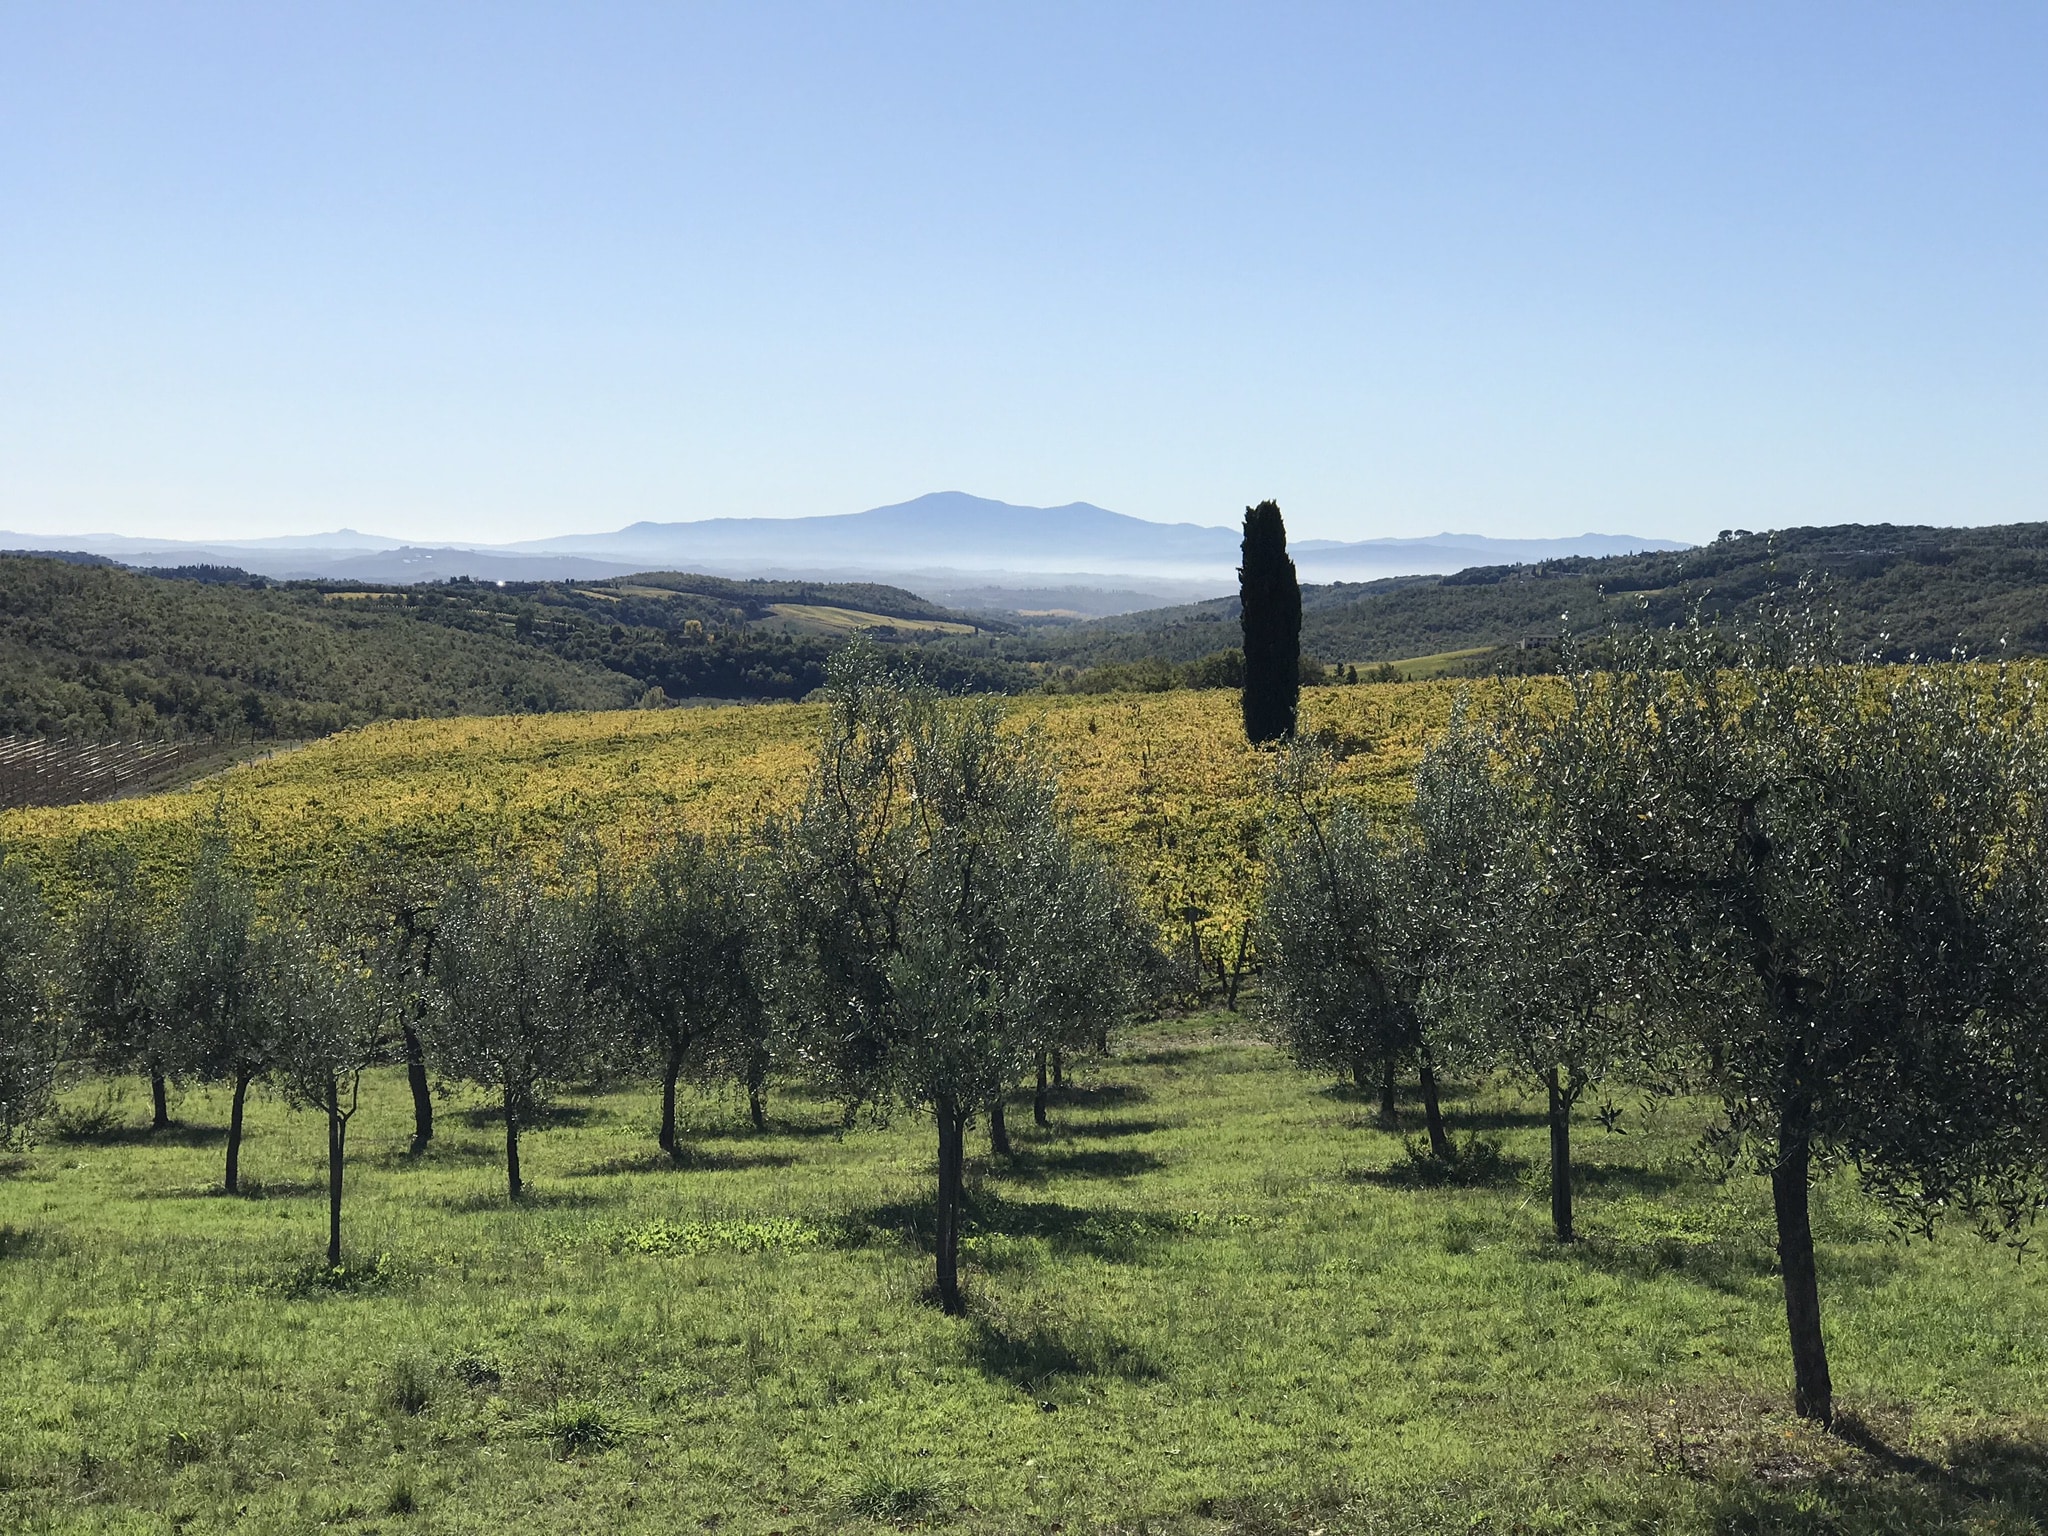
x=1165, y=779
x=35, y=771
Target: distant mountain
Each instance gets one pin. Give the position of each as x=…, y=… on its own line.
x=946, y=542
x=340, y=538
x=312, y=557
x=944, y=529
x=1446, y=553
x=963, y=533
x=405, y=564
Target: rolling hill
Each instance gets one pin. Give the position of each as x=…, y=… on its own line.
x=94, y=650
x=1897, y=591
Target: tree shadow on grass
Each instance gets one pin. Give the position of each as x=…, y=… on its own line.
x=177, y=1134
x=28, y=1243
x=1627, y=1178
x=438, y=1153
x=1730, y=1265
x=1475, y=1163
x=1168, y=1056
x=1108, y=1128
x=741, y=1129
x=491, y=1117
x=689, y=1160
x=1496, y=1119
x=1033, y=1358
x=251, y=1190
x=532, y=1199
x=1094, y=1095
x=1034, y=1165
x=1997, y=1486
x=1110, y=1233
x=1771, y=1473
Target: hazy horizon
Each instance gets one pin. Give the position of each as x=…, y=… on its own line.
x=296, y=534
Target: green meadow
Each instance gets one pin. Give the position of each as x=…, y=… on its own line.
x=1211, y=1297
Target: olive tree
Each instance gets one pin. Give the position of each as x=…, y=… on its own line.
x=393, y=895
x=1537, y=985
x=1847, y=862
x=110, y=949
x=675, y=962
x=938, y=914
x=1353, y=931
x=329, y=1011
x=512, y=980
x=28, y=1027
x=208, y=984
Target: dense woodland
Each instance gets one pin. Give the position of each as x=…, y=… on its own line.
x=94, y=650
x=1899, y=592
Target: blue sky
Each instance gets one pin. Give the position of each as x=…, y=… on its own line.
x=1519, y=269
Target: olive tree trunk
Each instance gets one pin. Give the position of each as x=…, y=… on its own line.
x=422, y=1091
x=337, y=1144
x=998, y=1130
x=1432, y=1111
x=952, y=1163
x=1038, y=1114
x=232, y=1181
x=514, y=1185
x=671, y=1070
x=159, y=1102
x=1813, y=1392
x=1560, y=1156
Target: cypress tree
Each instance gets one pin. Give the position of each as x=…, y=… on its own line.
x=1270, y=599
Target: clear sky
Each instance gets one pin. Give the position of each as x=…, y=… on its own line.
x=505, y=270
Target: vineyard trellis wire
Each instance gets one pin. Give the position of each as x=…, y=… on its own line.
x=39, y=770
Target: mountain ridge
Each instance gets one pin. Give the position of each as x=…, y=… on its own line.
x=939, y=537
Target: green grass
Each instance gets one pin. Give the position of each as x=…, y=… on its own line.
x=1208, y=1300
x=817, y=618
x=1443, y=664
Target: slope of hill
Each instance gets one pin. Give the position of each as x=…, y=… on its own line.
x=1168, y=784
x=87, y=650
x=96, y=651
x=1898, y=591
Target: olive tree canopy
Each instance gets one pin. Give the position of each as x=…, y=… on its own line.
x=28, y=1022
x=512, y=981
x=939, y=918
x=1840, y=869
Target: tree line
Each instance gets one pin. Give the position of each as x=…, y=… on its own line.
x=1814, y=892
x=924, y=930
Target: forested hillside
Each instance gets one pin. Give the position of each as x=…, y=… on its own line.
x=96, y=650
x=1898, y=591
x=93, y=650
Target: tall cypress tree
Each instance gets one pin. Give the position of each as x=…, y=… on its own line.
x=1270, y=598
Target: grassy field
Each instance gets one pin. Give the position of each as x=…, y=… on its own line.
x=1208, y=1300
x=1443, y=664
x=818, y=618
